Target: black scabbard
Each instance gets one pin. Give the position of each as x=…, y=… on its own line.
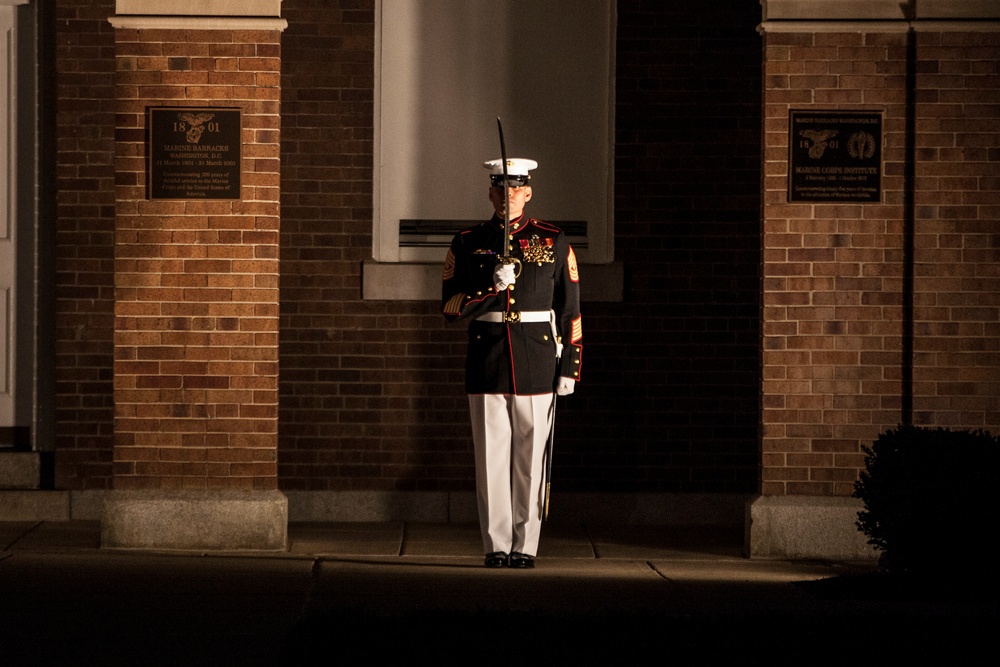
x=547, y=479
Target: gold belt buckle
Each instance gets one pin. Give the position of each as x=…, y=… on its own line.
x=512, y=316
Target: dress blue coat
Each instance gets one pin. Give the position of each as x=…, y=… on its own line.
x=515, y=357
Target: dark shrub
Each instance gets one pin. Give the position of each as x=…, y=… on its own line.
x=930, y=499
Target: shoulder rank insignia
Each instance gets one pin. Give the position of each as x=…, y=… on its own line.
x=449, y=266
x=537, y=249
x=574, y=271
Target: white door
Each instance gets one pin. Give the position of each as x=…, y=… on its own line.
x=8, y=241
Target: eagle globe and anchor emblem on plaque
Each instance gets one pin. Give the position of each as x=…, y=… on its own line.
x=835, y=156
x=193, y=153
x=192, y=123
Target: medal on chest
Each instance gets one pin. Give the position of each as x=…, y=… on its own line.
x=537, y=249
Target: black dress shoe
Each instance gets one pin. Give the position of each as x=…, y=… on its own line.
x=521, y=561
x=496, y=559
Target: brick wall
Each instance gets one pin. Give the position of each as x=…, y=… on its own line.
x=670, y=398
x=835, y=328
x=85, y=218
x=370, y=393
x=196, y=282
x=832, y=318
x=957, y=246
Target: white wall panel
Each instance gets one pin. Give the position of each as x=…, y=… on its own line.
x=446, y=69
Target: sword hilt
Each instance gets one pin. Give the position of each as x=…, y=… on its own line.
x=514, y=261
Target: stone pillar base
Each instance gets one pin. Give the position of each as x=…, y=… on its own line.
x=34, y=505
x=195, y=520
x=806, y=527
x=20, y=470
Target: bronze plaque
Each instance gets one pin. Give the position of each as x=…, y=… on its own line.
x=835, y=156
x=194, y=153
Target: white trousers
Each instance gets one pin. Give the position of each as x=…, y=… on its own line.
x=509, y=434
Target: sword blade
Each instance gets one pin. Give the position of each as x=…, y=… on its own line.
x=506, y=192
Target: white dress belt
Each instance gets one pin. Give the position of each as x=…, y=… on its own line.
x=497, y=317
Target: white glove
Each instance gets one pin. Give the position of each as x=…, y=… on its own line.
x=565, y=386
x=503, y=276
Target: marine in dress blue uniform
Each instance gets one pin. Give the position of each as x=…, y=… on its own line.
x=525, y=334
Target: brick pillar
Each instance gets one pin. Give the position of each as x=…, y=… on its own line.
x=196, y=290
x=874, y=311
x=956, y=365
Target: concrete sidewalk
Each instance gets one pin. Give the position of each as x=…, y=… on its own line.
x=404, y=591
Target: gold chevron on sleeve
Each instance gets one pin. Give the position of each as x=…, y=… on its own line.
x=454, y=305
x=574, y=272
x=577, y=335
